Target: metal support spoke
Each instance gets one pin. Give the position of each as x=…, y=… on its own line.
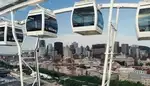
x=18, y=46
x=34, y=81
x=108, y=44
x=37, y=62
x=27, y=65
x=113, y=45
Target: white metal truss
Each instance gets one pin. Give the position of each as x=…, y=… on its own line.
x=113, y=34
x=102, y=6
x=37, y=61
x=19, y=54
x=108, y=47
x=112, y=31
x=18, y=46
x=12, y=9
x=24, y=4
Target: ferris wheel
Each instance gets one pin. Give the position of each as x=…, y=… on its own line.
x=86, y=19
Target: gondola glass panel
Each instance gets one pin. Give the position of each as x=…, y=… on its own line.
x=144, y=20
x=41, y=23
x=2, y=33
x=19, y=35
x=6, y=35
x=50, y=24
x=86, y=18
x=100, y=20
x=83, y=17
x=34, y=23
x=10, y=37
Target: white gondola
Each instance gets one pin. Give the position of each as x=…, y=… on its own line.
x=143, y=21
x=41, y=23
x=86, y=18
x=6, y=35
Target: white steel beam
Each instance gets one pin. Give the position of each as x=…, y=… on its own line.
x=63, y=10
x=19, y=48
x=29, y=2
x=113, y=45
x=102, y=6
x=107, y=52
x=120, y=5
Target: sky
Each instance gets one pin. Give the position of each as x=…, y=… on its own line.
x=126, y=26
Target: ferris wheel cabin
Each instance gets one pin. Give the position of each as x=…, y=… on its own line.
x=41, y=23
x=86, y=18
x=143, y=21
x=6, y=35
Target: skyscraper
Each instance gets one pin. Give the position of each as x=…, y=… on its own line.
x=87, y=48
x=78, y=51
x=49, y=49
x=58, y=46
x=42, y=48
x=82, y=49
x=73, y=49
x=75, y=44
x=67, y=52
x=116, y=48
x=125, y=49
x=134, y=51
x=98, y=50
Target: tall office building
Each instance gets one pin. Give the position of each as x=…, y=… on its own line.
x=73, y=49
x=75, y=44
x=58, y=46
x=42, y=48
x=67, y=52
x=82, y=49
x=49, y=49
x=87, y=48
x=88, y=51
x=134, y=51
x=116, y=48
x=125, y=49
x=78, y=51
x=98, y=50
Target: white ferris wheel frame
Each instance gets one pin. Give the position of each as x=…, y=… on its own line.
x=111, y=29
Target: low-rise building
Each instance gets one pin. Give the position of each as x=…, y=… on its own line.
x=129, y=61
x=124, y=73
x=145, y=79
x=134, y=77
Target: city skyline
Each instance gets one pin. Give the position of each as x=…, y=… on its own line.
x=73, y=59
x=82, y=40
x=126, y=26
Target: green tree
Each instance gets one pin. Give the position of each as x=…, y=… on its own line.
x=147, y=64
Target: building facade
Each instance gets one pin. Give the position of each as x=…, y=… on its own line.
x=67, y=52
x=58, y=46
x=42, y=48
x=98, y=50
x=125, y=49
x=116, y=48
